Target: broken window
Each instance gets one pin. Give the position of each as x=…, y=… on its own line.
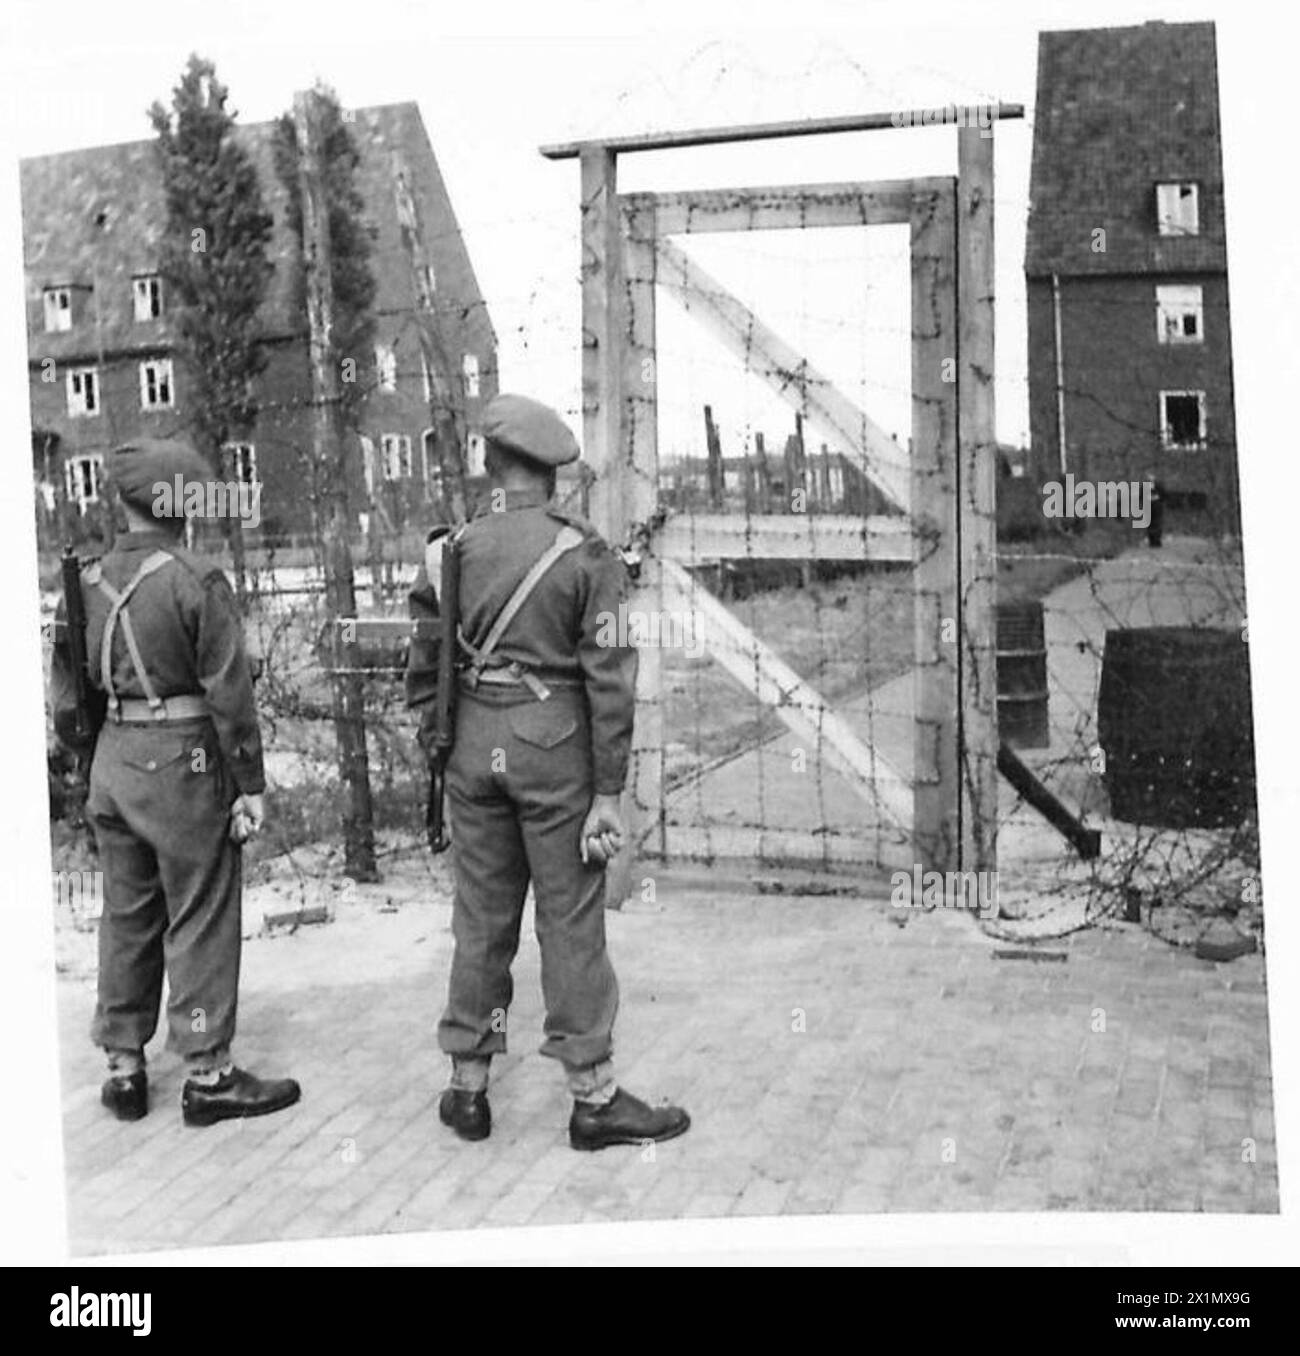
x=1177, y=209
x=1179, y=315
x=58, y=309
x=1182, y=418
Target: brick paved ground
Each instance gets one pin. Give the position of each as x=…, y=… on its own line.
x=833, y=1058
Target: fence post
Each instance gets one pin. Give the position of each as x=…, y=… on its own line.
x=640, y=446
x=977, y=481
x=936, y=798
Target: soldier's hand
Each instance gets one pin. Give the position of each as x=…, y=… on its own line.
x=246, y=816
x=603, y=831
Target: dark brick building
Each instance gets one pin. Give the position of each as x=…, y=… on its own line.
x=100, y=351
x=1130, y=357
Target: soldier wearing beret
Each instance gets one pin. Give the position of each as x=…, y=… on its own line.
x=543, y=737
x=175, y=787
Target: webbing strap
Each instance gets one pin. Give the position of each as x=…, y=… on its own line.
x=565, y=541
x=154, y=561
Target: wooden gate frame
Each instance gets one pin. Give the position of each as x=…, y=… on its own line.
x=949, y=489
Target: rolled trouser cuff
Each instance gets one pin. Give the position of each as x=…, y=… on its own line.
x=470, y=1073
x=124, y=1063
x=593, y=1083
x=215, y=1060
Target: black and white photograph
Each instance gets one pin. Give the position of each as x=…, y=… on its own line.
x=668, y=616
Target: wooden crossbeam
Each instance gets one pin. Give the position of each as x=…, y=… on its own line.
x=799, y=706
x=952, y=114
x=775, y=536
x=783, y=207
x=786, y=372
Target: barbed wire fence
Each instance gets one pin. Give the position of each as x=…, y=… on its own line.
x=836, y=610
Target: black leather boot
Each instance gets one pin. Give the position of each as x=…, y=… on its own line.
x=126, y=1095
x=236, y=1095
x=624, y=1120
x=467, y=1113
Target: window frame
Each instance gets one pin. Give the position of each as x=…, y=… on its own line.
x=47, y=294
x=386, y=368
x=234, y=448
x=476, y=455
x=405, y=456
x=93, y=460
x=77, y=406
x=1166, y=440
x=1167, y=309
x=170, y=402
x=150, y=294
x=1165, y=222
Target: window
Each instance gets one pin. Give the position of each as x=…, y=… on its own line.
x=81, y=477
x=386, y=366
x=432, y=470
x=1179, y=315
x=1176, y=209
x=368, y=464
x=58, y=309
x=430, y=283
x=156, y=384
x=148, y=297
x=396, y=451
x=1182, y=418
x=470, y=368
x=83, y=392
x=476, y=461
x=427, y=373
x=243, y=462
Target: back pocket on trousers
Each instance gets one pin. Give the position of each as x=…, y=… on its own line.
x=542, y=724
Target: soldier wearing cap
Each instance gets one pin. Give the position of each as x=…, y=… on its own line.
x=175, y=786
x=542, y=744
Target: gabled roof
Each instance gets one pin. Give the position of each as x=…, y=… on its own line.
x=92, y=219
x=1118, y=110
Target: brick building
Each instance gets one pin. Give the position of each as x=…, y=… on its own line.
x=1130, y=357
x=100, y=352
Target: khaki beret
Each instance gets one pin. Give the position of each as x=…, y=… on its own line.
x=144, y=472
x=529, y=429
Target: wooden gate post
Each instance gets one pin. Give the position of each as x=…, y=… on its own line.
x=602, y=334
x=936, y=835
x=639, y=444
x=977, y=480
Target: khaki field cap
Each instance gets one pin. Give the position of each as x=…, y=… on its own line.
x=138, y=470
x=529, y=429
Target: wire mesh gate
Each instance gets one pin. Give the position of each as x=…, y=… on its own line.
x=906, y=774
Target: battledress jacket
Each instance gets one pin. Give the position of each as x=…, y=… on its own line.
x=568, y=629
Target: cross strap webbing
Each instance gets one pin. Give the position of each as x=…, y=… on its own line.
x=565, y=541
x=153, y=562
